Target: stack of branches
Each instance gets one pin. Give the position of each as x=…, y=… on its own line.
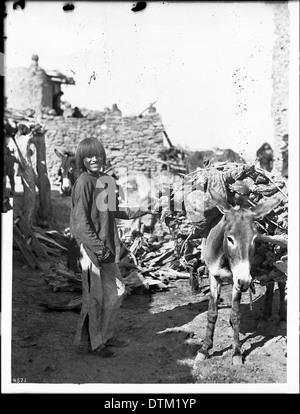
x=180, y=255
x=37, y=246
x=241, y=184
x=25, y=240
x=54, y=242
x=150, y=264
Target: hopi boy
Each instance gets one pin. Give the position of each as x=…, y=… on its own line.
x=93, y=226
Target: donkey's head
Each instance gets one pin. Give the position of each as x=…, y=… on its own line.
x=239, y=235
x=66, y=171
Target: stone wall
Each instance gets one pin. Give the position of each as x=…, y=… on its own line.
x=280, y=98
x=129, y=141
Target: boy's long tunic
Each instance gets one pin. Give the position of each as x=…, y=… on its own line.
x=94, y=228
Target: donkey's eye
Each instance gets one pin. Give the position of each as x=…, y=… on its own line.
x=230, y=240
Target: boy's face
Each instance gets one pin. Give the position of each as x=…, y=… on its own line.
x=93, y=164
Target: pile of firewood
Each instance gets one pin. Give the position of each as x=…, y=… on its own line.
x=240, y=184
x=180, y=254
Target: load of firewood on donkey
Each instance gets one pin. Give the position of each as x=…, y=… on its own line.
x=174, y=249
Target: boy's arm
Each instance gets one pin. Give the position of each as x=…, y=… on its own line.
x=128, y=214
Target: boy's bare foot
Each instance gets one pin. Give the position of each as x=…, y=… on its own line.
x=102, y=352
x=116, y=342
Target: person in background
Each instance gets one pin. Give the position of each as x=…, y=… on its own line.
x=76, y=113
x=93, y=226
x=57, y=103
x=9, y=162
x=265, y=156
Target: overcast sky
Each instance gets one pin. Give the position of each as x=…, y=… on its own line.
x=208, y=65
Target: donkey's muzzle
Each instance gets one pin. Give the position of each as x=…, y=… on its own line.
x=241, y=275
x=66, y=187
x=65, y=191
x=243, y=284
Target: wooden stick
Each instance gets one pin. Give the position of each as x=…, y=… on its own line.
x=271, y=221
x=25, y=229
x=265, y=173
x=47, y=239
x=168, y=139
x=168, y=163
x=280, y=240
x=20, y=242
x=147, y=108
x=27, y=173
x=186, y=240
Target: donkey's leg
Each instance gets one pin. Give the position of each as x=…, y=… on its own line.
x=282, y=305
x=268, y=301
x=235, y=320
x=212, y=314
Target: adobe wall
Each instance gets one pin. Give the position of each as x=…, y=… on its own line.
x=129, y=141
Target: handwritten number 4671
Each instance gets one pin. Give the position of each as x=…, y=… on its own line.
x=19, y=380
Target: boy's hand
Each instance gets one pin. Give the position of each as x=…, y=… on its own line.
x=159, y=203
x=103, y=255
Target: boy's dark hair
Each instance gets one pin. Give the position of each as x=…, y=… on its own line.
x=88, y=147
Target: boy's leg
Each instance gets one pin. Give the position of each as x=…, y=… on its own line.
x=82, y=338
x=113, y=295
x=92, y=299
x=12, y=183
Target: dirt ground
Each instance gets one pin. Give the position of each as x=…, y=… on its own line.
x=165, y=329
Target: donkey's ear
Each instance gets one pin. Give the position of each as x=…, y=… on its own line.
x=265, y=207
x=59, y=154
x=221, y=203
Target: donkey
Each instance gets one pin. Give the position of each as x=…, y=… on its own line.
x=228, y=253
x=66, y=171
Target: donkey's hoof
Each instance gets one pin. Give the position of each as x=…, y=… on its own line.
x=197, y=367
x=263, y=323
x=201, y=356
x=237, y=360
